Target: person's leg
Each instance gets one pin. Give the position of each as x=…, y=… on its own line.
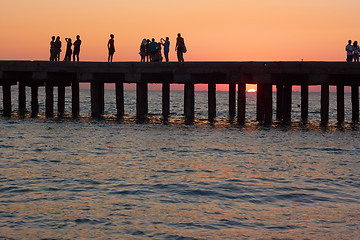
x=166, y=56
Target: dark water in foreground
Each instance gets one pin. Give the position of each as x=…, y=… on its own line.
x=103, y=180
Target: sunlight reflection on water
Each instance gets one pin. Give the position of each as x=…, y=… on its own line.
x=69, y=180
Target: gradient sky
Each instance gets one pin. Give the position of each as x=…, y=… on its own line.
x=214, y=30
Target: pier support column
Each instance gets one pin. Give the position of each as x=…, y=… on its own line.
x=34, y=101
x=304, y=102
x=6, y=100
x=355, y=103
x=22, y=98
x=324, y=110
x=232, y=100
x=279, y=102
x=287, y=103
x=267, y=102
x=141, y=101
x=166, y=100
x=340, y=103
x=75, y=95
x=260, y=108
x=241, y=103
x=97, y=99
x=189, y=103
x=49, y=101
x=119, y=91
x=61, y=100
x=211, y=102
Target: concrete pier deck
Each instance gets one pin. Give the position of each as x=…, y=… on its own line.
x=283, y=75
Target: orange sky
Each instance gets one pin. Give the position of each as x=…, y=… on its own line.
x=214, y=30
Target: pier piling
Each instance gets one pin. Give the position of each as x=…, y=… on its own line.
x=232, y=100
x=304, y=102
x=212, y=101
x=340, y=103
x=22, y=98
x=165, y=100
x=119, y=91
x=6, y=99
x=61, y=100
x=141, y=101
x=189, y=103
x=287, y=103
x=241, y=103
x=324, y=109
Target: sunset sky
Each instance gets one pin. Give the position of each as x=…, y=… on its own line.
x=214, y=30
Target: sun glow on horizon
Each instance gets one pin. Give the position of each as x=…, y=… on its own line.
x=251, y=90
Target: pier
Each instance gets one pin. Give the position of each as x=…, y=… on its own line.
x=283, y=75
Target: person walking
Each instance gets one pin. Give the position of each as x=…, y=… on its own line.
x=52, y=49
x=349, y=51
x=356, y=52
x=111, y=48
x=77, y=44
x=166, y=44
x=68, y=50
x=180, y=48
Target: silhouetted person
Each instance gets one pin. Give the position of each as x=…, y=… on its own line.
x=153, y=48
x=147, y=50
x=349, y=52
x=52, y=49
x=356, y=51
x=68, y=50
x=111, y=48
x=180, y=48
x=57, y=48
x=166, y=44
x=77, y=44
x=143, y=50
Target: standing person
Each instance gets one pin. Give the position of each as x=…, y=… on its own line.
x=77, y=44
x=57, y=49
x=153, y=46
x=143, y=50
x=52, y=49
x=147, y=50
x=68, y=50
x=180, y=48
x=166, y=44
x=111, y=48
x=349, y=52
x=356, y=51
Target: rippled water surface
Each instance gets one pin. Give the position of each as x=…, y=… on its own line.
x=106, y=180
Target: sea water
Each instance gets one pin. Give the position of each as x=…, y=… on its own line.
x=104, y=179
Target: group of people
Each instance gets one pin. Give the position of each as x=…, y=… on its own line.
x=55, y=49
x=151, y=50
x=352, y=52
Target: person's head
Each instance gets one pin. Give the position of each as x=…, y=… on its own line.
x=167, y=38
x=53, y=38
x=153, y=39
x=69, y=39
x=57, y=38
x=111, y=35
x=349, y=41
x=179, y=35
x=355, y=43
x=77, y=37
x=148, y=40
